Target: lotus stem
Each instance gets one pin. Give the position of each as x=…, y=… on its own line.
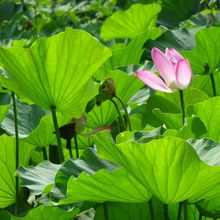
x=182, y=105
x=213, y=84
x=126, y=112
x=121, y=121
x=105, y=211
x=185, y=211
x=179, y=210
x=53, y=155
x=36, y=23
x=165, y=210
x=44, y=151
x=151, y=208
x=76, y=145
x=56, y=127
x=16, y=153
x=68, y=146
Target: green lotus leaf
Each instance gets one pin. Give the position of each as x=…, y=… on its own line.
x=43, y=135
x=127, y=24
x=210, y=208
x=171, y=120
x=209, y=112
x=43, y=177
x=55, y=71
x=140, y=136
x=116, y=186
x=124, y=55
x=43, y=213
x=28, y=117
x=169, y=168
x=7, y=167
x=89, y=162
x=170, y=103
x=205, y=58
x=4, y=105
x=174, y=12
x=180, y=39
x=193, y=128
x=207, y=149
x=37, y=178
x=204, y=83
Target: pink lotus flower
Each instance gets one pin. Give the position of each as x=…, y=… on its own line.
x=174, y=70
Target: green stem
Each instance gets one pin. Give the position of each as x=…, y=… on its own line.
x=200, y=216
x=76, y=145
x=105, y=211
x=16, y=153
x=121, y=121
x=56, y=127
x=126, y=112
x=182, y=105
x=213, y=84
x=151, y=208
x=185, y=211
x=44, y=153
x=36, y=24
x=165, y=210
x=68, y=146
x=179, y=211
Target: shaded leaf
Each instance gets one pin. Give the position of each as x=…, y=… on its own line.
x=173, y=12
x=205, y=57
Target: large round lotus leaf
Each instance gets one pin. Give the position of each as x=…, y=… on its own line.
x=55, y=71
x=169, y=168
x=116, y=186
x=127, y=24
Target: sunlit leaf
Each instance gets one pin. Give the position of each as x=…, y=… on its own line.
x=117, y=186
x=7, y=167
x=159, y=166
x=55, y=71
x=128, y=24
x=209, y=112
